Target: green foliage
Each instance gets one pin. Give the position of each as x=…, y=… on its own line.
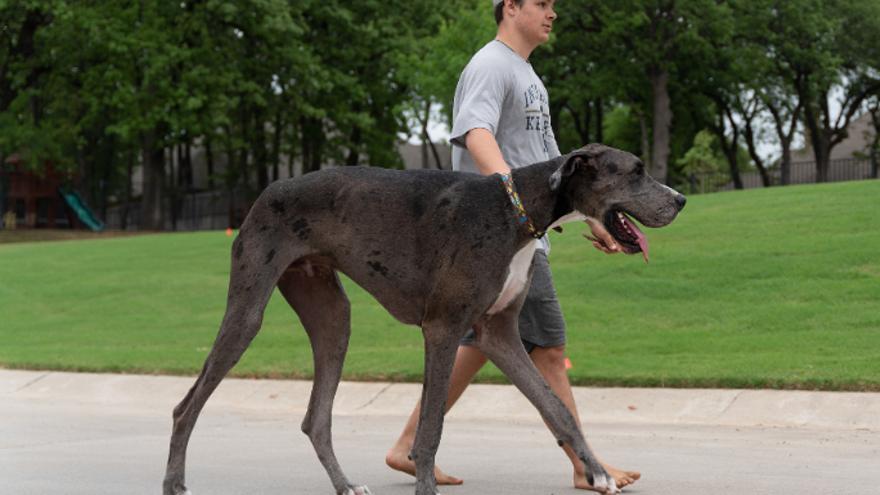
x=621, y=129
x=733, y=297
x=606, y=54
x=96, y=86
x=703, y=157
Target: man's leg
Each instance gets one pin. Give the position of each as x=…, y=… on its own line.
x=468, y=362
x=550, y=361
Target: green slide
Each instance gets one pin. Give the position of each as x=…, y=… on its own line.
x=83, y=212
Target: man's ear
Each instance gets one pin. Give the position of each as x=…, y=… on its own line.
x=577, y=158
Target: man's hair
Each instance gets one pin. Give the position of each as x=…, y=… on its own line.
x=499, y=10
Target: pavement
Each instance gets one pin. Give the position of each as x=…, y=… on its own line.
x=72, y=433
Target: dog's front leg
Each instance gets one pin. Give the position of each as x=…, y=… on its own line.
x=499, y=340
x=441, y=344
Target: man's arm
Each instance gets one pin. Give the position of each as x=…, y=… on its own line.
x=484, y=150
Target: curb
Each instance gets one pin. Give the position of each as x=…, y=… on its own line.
x=159, y=394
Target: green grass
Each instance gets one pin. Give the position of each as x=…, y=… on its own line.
x=763, y=288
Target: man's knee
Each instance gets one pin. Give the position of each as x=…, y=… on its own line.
x=549, y=359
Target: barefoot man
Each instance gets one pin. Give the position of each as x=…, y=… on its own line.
x=501, y=119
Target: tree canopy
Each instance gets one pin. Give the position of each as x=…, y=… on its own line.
x=102, y=87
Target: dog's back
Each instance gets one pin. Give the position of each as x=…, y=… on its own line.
x=391, y=231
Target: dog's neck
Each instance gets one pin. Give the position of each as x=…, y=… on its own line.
x=543, y=205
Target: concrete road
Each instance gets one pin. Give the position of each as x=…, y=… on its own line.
x=99, y=434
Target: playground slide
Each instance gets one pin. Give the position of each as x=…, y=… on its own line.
x=83, y=212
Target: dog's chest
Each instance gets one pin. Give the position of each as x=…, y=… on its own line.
x=517, y=278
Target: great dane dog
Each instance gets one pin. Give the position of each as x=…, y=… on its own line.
x=446, y=251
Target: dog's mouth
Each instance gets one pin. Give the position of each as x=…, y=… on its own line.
x=626, y=233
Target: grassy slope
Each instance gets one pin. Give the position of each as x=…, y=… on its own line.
x=776, y=288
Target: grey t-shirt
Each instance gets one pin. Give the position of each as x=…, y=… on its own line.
x=500, y=92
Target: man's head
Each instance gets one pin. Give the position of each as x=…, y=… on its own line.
x=499, y=9
x=532, y=19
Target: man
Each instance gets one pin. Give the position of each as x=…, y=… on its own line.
x=501, y=119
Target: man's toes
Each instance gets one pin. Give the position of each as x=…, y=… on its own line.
x=445, y=479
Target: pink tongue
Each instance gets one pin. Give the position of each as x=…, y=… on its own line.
x=640, y=237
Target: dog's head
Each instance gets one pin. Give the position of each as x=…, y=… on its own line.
x=611, y=185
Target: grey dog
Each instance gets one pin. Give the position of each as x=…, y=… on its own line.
x=446, y=251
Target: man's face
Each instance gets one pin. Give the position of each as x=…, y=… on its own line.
x=535, y=20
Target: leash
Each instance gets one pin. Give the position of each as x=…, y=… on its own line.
x=522, y=217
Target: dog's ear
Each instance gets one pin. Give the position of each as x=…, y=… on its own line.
x=571, y=162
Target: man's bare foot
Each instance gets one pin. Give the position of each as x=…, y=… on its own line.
x=621, y=478
x=400, y=461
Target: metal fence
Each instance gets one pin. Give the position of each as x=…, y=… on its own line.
x=208, y=210
x=801, y=173
x=211, y=209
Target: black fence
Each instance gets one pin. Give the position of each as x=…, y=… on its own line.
x=206, y=210
x=801, y=173
x=220, y=209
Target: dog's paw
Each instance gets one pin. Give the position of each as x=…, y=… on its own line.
x=600, y=480
x=176, y=489
x=357, y=490
x=604, y=483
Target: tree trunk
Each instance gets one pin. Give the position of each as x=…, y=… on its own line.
x=186, y=168
x=600, y=120
x=434, y=153
x=260, y=151
x=354, y=155
x=153, y=159
x=126, y=205
x=276, y=143
x=785, y=166
x=312, y=144
x=109, y=158
x=875, y=145
x=425, y=117
x=731, y=148
x=733, y=160
x=4, y=191
x=753, y=152
x=875, y=160
x=661, y=125
x=646, y=140
x=731, y=151
x=581, y=122
x=209, y=160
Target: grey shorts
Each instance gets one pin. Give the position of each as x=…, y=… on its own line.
x=540, y=321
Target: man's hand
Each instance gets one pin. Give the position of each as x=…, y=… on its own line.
x=602, y=240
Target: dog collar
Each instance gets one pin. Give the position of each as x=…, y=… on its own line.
x=521, y=215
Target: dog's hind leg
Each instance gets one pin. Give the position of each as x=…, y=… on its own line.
x=500, y=342
x=323, y=308
x=256, y=268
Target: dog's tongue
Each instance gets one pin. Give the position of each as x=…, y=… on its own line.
x=640, y=237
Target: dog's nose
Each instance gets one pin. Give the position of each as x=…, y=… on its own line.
x=680, y=201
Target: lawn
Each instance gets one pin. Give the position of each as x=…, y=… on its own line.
x=762, y=288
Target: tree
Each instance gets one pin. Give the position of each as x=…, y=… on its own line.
x=874, y=150
x=768, y=41
x=432, y=66
x=25, y=119
x=645, y=53
x=838, y=55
